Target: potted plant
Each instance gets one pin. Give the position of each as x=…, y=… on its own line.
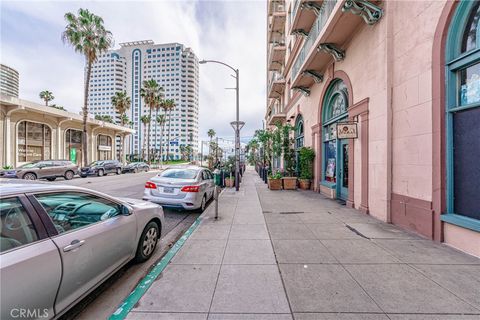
x=306, y=157
x=275, y=181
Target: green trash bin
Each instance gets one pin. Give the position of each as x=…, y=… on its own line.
x=217, y=177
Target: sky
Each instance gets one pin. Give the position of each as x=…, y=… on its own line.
x=230, y=31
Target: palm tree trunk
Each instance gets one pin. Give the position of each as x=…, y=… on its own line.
x=149, y=131
x=46, y=102
x=85, y=114
x=169, y=132
x=161, y=140
x=144, y=140
x=155, y=141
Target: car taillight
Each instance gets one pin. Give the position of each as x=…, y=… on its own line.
x=190, y=189
x=150, y=185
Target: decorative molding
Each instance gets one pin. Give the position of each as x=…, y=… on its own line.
x=338, y=54
x=300, y=32
x=317, y=77
x=304, y=90
x=312, y=5
x=367, y=10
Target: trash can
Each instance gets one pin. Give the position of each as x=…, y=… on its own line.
x=217, y=177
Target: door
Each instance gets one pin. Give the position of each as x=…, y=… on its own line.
x=94, y=239
x=342, y=184
x=31, y=268
x=46, y=169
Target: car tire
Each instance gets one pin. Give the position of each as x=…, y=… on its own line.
x=83, y=176
x=30, y=176
x=148, y=242
x=100, y=173
x=51, y=179
x=203, y=204
x=119, y=171
x=69, y=175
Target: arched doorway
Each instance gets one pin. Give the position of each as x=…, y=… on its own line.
x=335, y=151
x=299, y=140
x=462, y=132
x=73, y=145
x=104, y=146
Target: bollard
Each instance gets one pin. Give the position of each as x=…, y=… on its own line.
x=216, y=201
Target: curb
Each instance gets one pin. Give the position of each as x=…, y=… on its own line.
x=127, y=305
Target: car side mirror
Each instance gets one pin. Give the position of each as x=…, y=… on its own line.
x=126, y=211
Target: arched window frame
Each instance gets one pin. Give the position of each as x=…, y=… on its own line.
x=299, y=132
x=455, y=62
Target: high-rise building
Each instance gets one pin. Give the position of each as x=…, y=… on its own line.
x=174, y=67
x=8, y=81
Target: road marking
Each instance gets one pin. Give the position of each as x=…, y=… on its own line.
x=127, y=305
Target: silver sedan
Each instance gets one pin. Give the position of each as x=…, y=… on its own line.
x=187, y=188
x=58, y=243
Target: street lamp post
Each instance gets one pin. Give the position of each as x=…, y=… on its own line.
x=236, y=124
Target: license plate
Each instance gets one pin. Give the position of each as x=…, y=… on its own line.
x=168, y=190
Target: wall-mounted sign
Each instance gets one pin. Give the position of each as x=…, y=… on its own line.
x=347, y=130
x=104, y=148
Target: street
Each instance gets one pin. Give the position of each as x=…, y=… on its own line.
x=105, y=299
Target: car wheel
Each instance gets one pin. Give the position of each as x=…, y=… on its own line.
x=51, y=179
x=100, y=173
x=83, y=176
x=30, y=176
x=203, y=204
x=148, y=242
x=119, y=171
x=135, y=170
x=69, y=175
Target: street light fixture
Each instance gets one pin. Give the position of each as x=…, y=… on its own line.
x=237, y=126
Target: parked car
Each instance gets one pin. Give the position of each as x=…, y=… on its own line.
x=43, y=169
x=136, y=167
x=58, y=243
x=188, y=188
x=101, y=168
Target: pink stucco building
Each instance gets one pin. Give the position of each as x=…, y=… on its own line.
x=407, y=74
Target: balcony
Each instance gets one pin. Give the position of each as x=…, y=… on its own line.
x=276, y=58
x=274, y=113
x=335, y=24
x=303, y=15
x=276, y=85
x=276, y=21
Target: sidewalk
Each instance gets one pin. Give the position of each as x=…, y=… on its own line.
x=297, y=255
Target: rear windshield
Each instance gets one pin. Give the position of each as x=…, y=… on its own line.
x=179, y=173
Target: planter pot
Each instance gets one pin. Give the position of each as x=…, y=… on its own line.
x=275, y=184
x=229, y=183
x=289, y=183
x=304, y=184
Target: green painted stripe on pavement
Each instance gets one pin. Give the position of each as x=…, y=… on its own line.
x=135, y=296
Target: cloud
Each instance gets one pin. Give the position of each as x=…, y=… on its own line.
x=229, y=31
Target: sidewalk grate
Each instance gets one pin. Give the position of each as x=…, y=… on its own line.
x=357, y=232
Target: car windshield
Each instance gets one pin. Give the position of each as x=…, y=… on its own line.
x=29, y=165
x=179, y=173
x=96, y=163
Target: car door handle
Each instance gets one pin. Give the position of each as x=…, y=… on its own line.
x=74, y=245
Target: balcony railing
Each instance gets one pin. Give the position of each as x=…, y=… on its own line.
x=296, y=5
x=277, y=6
x=325, y=11
x=276, y=76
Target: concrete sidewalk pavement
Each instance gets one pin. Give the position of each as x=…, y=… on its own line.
x=297, y=255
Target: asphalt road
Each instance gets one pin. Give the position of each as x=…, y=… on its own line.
x=104, y=300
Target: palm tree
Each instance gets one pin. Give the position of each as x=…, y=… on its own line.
x=160, y=122
x=46, y=96
x=168, y=106
x=211, y=133
x=151, y=94
x=104, y=118
x=158, y=105
x=146, y=121
x=88, y=36
x=121, y=102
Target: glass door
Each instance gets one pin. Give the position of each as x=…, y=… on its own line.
x=342, y=183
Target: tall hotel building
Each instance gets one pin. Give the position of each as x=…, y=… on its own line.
x=174, y=67
x=387, y=93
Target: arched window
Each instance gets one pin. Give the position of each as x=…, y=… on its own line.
x=335, y=151
x=463, y=112
x=73, y=145
x=299, y=132
x=34, y=141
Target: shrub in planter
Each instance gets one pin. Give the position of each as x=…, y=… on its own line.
x=289, y=183
x=275, y=181
x=306, y=157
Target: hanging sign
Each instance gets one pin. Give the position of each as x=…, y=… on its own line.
x=347, y=130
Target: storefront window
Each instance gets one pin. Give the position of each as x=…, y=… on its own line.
x=463, y=112
x=73, y=145
x=34, y=141
x=104, y=145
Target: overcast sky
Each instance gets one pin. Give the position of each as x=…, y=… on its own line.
x=230, y=31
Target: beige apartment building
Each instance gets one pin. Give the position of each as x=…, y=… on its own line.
x=403, y=77
x=30, y=131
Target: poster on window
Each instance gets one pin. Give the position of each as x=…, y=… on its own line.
x=330, y=171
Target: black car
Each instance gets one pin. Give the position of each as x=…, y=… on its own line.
x=101, y=168
x=136, y=167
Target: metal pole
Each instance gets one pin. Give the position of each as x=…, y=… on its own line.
x=216, y=201
x=237, y=135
